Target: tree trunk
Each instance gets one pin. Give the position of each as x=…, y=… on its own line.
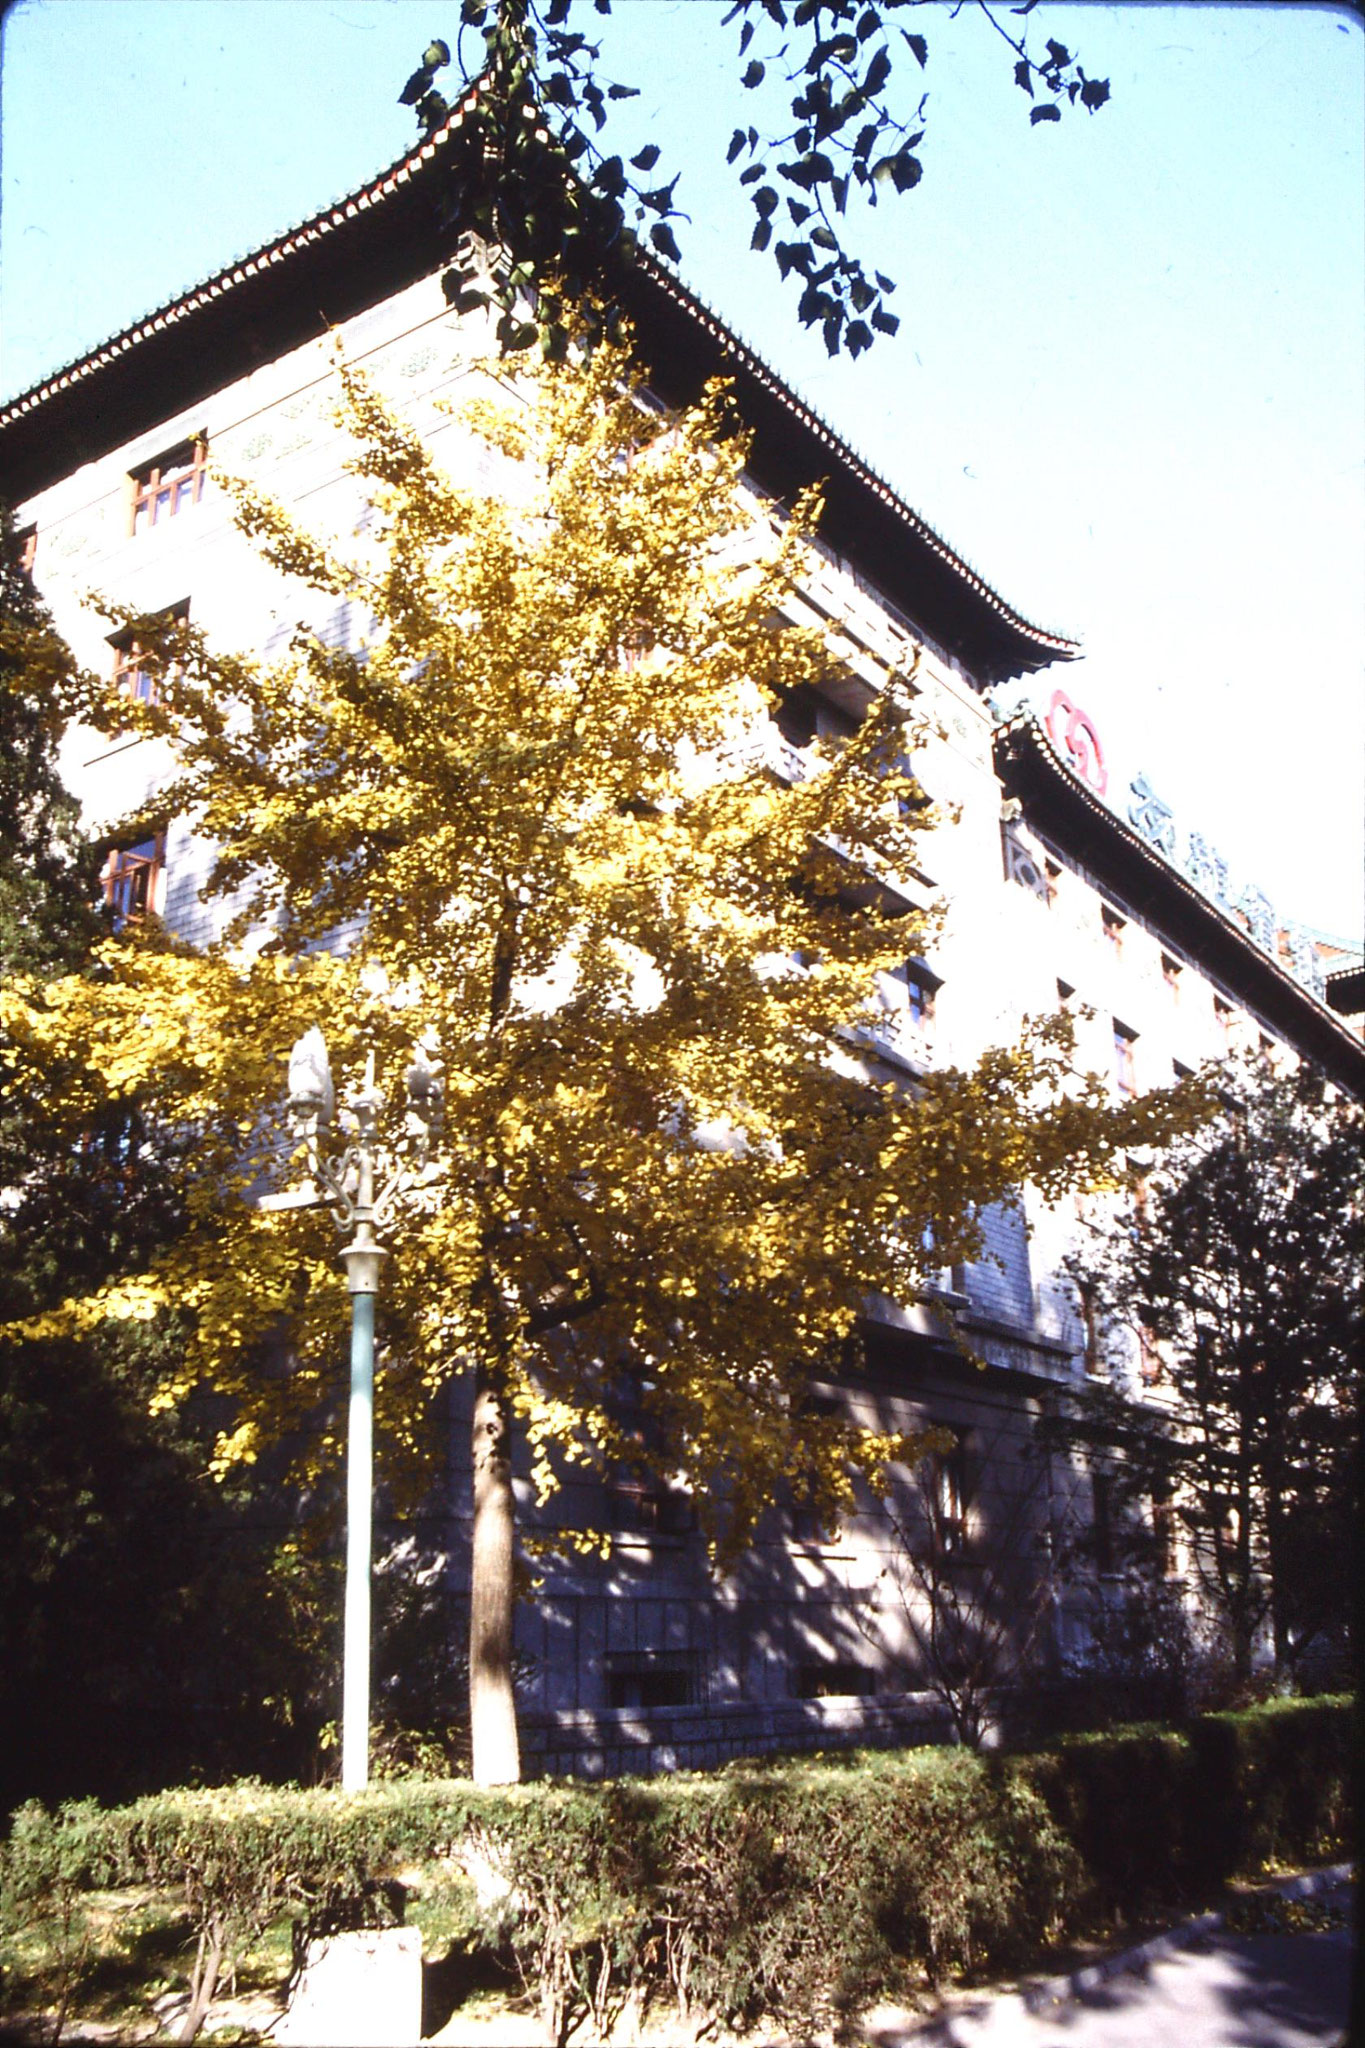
x=492, y=1705
x=204, y=1982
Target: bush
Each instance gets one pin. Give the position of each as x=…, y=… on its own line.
x=1275, y=1784
x=804, y=1888
x=1158, y=1816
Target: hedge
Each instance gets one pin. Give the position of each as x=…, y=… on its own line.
x=803, y=1888
x=1158, y=1815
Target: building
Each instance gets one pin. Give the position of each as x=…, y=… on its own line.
x=1057, y=894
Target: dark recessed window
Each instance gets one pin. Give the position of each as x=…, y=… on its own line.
x=833, y=1681
x=644, y=1684
x=947, y=1500
x=806, y=1524
x=646, y=1507
x=1102, y=1520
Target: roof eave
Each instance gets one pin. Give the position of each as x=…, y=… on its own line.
x=395, y=230
x=1057, y=800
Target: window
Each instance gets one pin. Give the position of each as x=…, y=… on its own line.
x=907, y=997
x=1087, y=1299
x=946, y=1500
x=805, y=713
x=646, y=1507
x=168, y=485
x=1125, y=1066
x=131, y=676
x=1181, y=1071
x=1222, y=1017
x=1149, y=1358
x=1066, y=994
x=806, y=1524
x=919, y=998
x=645, y=1682
x=1102, y=1520
x=27, y=542
x=133, y=672
x=1163, y=1535
x=797, y=715
x=830, y=1681
x=1170, y=974
x=132, y=879
x=1113, y=926
x=1141, y=1177
x=637, y=644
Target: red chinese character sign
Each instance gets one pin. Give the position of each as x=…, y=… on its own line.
x=1069, y=728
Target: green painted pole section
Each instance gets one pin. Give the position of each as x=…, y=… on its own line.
x=355, y=1689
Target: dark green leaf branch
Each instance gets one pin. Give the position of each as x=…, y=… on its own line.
x=554, y=205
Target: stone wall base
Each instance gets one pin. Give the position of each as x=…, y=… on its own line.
x=646, y=1742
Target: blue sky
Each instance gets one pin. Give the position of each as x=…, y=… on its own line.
x=1129, y=384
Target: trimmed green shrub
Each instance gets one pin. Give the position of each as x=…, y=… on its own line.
x=1276, y=1783
x=1159, y=1815
x=806, y=1888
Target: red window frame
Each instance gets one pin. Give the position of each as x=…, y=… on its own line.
x=167, y=485
x=129, y=654
x=130, y=677
x=130, y=879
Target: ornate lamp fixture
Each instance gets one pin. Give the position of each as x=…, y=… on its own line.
x=358, y=1179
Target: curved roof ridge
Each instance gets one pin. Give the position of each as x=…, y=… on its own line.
x=66, y=387
x=240, y=267
x=830, y=435
x=1027, y=728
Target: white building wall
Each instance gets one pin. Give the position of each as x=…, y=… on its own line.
x=1004, y=949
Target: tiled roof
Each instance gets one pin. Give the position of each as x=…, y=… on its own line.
x=212, y=288
x=382, y=237
x=1052, y=794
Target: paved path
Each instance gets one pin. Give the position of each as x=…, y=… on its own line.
x=1203, y=1987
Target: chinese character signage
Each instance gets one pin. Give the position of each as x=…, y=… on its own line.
x=1074, y=736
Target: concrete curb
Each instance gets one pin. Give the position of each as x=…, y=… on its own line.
x=1053, y=1989
x=1040, y=1995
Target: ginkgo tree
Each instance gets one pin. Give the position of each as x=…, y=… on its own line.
x=531, y=824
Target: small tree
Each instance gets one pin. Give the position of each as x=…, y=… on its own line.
x=143, y=1629
x=536, y=808
x=974, y=1578
x=1243, y=1276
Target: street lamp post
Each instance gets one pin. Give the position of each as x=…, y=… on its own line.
x=357, y=1183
